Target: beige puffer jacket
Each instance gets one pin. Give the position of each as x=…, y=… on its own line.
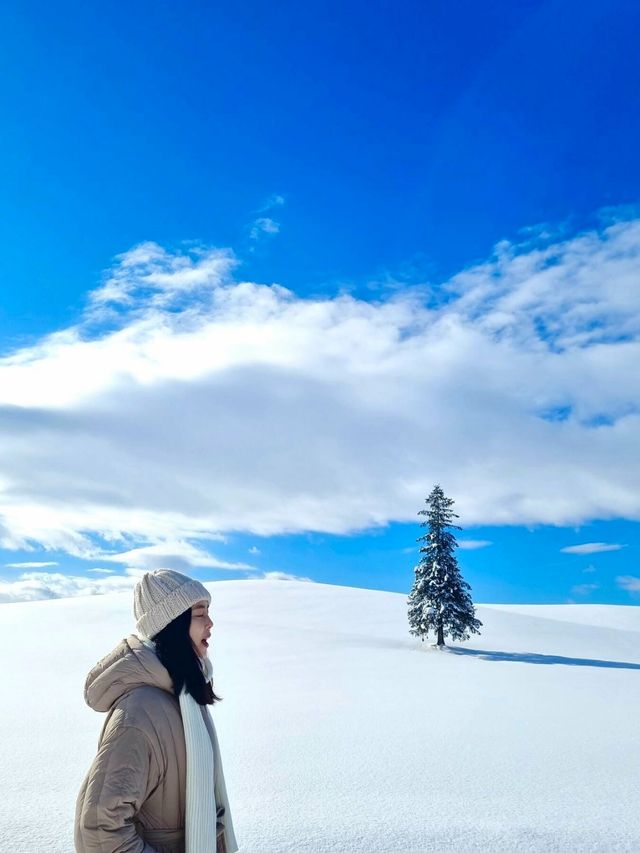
x=132, y=800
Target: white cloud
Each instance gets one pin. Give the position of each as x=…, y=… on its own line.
x=207, y=405
x=35, y=586
x=35, y=565
x=275, y=200
x=263, y=225
x=280, y=576
x=628, y=582
x=591, y=548
x=38, y=586
x=473, y=544
x=254, y=550
x=584, y=588
x=178, y=555
x=151, y=276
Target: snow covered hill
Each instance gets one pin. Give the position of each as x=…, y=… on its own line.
x=340, y=732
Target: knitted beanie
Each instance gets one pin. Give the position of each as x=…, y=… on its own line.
x=160, y=596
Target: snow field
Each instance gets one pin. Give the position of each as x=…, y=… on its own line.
x=341, y=732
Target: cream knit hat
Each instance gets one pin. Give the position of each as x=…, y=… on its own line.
x=160, y=596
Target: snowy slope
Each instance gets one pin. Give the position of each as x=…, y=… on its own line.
x=340, y=732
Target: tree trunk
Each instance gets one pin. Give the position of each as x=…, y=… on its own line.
x=440, y=635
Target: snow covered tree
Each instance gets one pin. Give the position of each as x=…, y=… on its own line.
x=440, y=599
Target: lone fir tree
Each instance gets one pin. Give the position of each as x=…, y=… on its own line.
x=440, y=599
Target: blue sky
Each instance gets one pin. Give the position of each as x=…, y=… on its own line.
x=447, y=196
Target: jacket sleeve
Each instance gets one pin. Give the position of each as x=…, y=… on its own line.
x=123, y=774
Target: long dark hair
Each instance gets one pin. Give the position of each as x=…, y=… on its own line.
x=176, y=653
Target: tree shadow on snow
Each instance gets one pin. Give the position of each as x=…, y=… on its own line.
x=533, y=657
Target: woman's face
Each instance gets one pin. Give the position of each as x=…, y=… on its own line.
x=200, y=627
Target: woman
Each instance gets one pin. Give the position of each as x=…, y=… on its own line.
x=156, y=784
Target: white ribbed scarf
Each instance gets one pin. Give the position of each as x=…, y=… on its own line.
x=205, y=779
